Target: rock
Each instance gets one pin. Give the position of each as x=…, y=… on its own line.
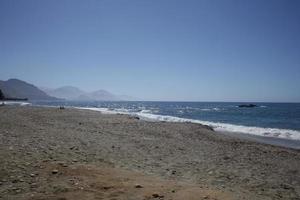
x=155, y=195
x=247, y=106
x=33, y=185
x=61, y=107
x=63, y=164
x=138, y=186
x=54, y=171
x=208, y=127
x=226, y=157
x=32, y=175
x=286, y=187
x=107, y=187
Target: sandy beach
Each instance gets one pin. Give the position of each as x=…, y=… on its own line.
x=71, y=154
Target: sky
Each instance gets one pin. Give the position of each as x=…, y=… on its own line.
x=170, y=50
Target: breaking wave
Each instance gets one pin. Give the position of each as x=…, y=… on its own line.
x=223, y=127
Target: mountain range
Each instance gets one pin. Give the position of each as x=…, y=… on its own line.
x=14, y=88
x=76, y=94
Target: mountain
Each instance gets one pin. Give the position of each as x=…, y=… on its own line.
x=128, y=98
x=103, y=95
x=66, y=92
x=14, y=88
x=73, y=93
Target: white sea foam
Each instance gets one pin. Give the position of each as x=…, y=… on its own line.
x=20, y=103
x=145, y=111
x=205, y=109
x=211, y=109
x=224, y=127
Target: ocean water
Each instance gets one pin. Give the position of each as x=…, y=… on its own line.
x=276, y=120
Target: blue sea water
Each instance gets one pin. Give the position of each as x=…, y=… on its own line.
x=280, y=120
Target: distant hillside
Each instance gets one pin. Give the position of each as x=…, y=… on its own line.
x=66, y=92
x=73, y=93
x=14, y=88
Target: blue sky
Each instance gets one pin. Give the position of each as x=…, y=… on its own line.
x=202, y=50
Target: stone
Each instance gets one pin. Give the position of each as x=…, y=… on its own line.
x=138, y=186
x=155, y=195
x=247, y=106
x=54, y=171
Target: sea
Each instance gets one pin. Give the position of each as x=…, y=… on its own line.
x=276, y=121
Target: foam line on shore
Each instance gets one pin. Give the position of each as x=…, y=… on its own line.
x=21, y=103
x=224, y=127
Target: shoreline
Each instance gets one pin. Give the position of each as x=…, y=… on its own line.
x=280, y=142
x=32, y=138
x=274, y=136
x=270, y=140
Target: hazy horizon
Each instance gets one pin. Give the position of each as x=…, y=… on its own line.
x=221, y=51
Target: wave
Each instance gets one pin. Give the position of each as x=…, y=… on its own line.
x=223, y=127
x=20, y=103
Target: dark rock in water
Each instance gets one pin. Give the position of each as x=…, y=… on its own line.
x=61, y=107
x=247, y=106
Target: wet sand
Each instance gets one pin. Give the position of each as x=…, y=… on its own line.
x=288, y=143
x=48, y=153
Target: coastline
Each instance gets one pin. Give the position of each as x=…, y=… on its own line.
x=181, y=152
x=277, y=141
x=281, y=142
